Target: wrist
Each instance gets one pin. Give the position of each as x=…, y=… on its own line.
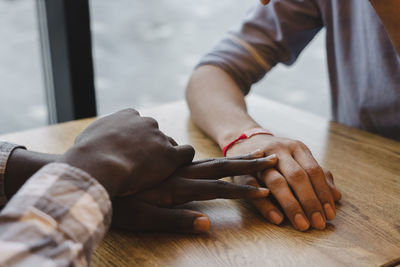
x=21, y=165
x=246, y=135
x=230, y=134
x=253, y=143
x=80, y=157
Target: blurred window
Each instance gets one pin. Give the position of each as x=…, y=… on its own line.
x=144, y=53
x=22, y=100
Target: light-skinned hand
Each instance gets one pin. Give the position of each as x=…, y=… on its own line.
x=305, y=193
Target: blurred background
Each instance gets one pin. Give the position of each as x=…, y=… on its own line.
x=144, y=52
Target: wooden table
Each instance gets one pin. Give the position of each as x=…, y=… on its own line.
x=366, y=231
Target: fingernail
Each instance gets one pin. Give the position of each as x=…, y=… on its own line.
x=301, y=222
x=263, y=191
x=275, y=217
x=258, y=153
x=201, y=224
x=329, y=212
x=259, y=192
x=272, y=156
x=318, y=221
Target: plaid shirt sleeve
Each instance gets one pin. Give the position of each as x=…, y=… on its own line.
x=5, y=151
x=57, y=218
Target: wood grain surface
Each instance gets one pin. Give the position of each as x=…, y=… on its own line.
x=366, y=168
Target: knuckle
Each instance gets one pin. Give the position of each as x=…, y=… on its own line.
x=151, y=121
x=170, y=152
x=276, y=181
x=314, y=171
x=295, y=144
x=311, y=205
x=190, y=149
x=310, y=202
x=130, y=111
x=291, y=207
x=278, y=146
x=220, y=189
x=297, y=176
x=324, y=194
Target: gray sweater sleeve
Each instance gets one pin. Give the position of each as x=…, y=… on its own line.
x=271, y=34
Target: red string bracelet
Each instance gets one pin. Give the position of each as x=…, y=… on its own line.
x=247, y=134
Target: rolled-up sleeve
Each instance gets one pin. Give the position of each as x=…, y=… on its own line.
x=272, y=34
x=57, y=218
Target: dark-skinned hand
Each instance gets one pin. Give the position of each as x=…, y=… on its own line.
x=126, y=153
x=153, y=209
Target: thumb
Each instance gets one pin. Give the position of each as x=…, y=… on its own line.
x=134, y=215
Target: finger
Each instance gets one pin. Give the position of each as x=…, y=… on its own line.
x=282, y=193
x=184, y=154
x=267, y=209
x=224, y=167
x=153, y=218
x=265, y=2
x=196, y=190
x=335, y=191
x=318, y=181
x=253, y=155
x=172, y=141
x=302, y=187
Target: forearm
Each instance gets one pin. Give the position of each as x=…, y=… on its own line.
x=389, y=11
x=217, y=104
x=21, y=165
x=297, y=182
